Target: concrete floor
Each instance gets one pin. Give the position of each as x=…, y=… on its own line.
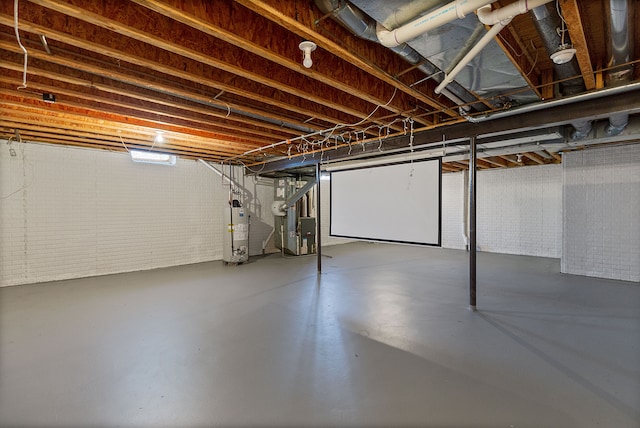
x=383, y=338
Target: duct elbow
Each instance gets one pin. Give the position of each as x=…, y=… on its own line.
x=385, y=37
x=617, y=124
x=581, y=130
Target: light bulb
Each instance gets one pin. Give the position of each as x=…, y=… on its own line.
x=307, y=62
x=307, y=47
x=159, y=138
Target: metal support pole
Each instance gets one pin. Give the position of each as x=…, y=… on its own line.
x=318, y=222
x=472, y=222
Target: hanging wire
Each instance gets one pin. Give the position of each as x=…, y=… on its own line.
x=123, y=144
x=26, y=54
x=329, y=132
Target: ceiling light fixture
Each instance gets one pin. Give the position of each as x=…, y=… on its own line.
x=565, y=51
x=563, y=55
x=159, y=138
x=307, y=47
x=519, y=157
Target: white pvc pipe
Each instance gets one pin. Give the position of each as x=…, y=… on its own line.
x=471, y=54
x=499, y=18
x=457, y=9
x=492, y=17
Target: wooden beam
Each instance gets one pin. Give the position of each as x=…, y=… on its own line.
x=302, y=22
x=548, y=88
x=556, y=156
x=571, y=14
x=534, y=157
x=134, y=104
x=496, y=161
x=152, y=86
x=124, y=19
x=275, y=44
x=168, y=63
x=125, y=114
x=447, y=167
x=510, y=159
x=522, y=60
x=483, y=164
x=39, y=111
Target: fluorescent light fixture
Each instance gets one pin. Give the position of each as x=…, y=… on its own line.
x=152, y=157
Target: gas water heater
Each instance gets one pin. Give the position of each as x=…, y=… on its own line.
x=236, y=233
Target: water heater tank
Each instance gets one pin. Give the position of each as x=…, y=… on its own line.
x=236, y=234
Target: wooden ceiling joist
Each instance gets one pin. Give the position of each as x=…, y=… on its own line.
x=302, y=21
x=274, y=44
x=127, y=104
x=167, y=35
x=534, y=157
x=571, y=14
x=32, y=109
x=192, y=95
x=168, y=63
x=223, y=78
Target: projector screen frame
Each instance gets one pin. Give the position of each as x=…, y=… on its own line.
x=395, y=241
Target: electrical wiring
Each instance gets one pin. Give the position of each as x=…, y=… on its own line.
x=124, y=145
x=251, y=170
x=326, y=134
x=26, y=54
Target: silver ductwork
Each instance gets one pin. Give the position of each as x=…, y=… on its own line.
x=548, y=22
x=361, y=25
x=619, y=22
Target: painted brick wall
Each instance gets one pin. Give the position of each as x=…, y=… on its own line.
x=453, y=206
x=601, y=205
x=521, y=211
x=69, y=213
x=518, y=210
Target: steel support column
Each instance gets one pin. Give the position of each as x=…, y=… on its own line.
x=318, y=221
x=472, y=222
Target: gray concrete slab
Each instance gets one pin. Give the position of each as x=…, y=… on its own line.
x=383, y=337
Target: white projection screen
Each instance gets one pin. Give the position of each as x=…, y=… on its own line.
x=395, y=203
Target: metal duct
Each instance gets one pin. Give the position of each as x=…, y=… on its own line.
x=361, y=25
x=547, y=22
x=619, y=48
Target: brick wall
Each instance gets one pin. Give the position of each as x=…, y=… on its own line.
x=453, y=207
x=518, y=210
x=601, y=204
x=69, y=213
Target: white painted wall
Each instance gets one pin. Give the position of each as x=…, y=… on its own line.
x=453, y=209
x=519, y=210
x=325, y=212
x=68, y=213
x=601, y=205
